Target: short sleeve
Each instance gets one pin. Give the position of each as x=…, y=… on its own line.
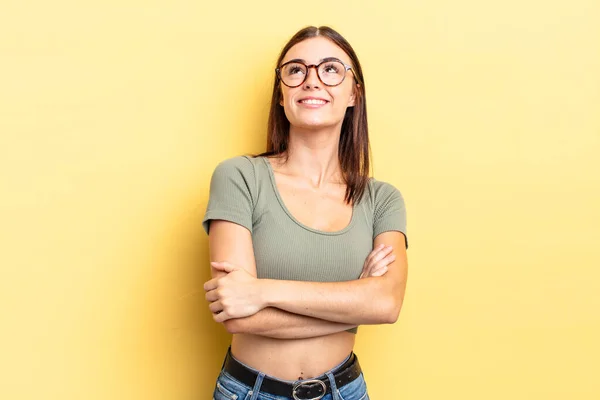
x=390, y=210
x=231, y=193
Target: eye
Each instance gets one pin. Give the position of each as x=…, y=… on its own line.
x=294, y=69
x=332, y=68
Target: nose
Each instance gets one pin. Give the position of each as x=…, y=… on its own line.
x=312, y=77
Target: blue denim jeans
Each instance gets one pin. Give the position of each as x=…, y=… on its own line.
x=228, y=388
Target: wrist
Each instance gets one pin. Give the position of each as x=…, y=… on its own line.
x=266, y=291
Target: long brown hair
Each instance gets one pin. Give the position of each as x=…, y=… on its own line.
x=354, y=147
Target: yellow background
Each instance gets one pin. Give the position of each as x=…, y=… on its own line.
x=113, y=114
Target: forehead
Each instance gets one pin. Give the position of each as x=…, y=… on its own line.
x=315, y=49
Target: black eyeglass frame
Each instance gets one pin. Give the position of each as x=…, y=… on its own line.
x=316, y=67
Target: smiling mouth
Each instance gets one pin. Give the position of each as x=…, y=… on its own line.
x=313, y=101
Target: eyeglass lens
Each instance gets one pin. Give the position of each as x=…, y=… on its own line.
x=331, y=73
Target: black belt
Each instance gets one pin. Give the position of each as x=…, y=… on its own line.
x=314, y=388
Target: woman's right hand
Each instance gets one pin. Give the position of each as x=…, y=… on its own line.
x=377, y=261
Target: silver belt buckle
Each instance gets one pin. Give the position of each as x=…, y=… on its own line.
x=309, y=382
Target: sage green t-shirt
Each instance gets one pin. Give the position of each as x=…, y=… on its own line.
x=243, y=191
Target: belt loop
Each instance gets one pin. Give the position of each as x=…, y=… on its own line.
x=334, y=390
x=257, y=385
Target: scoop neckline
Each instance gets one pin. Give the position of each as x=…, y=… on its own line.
x=291, y=216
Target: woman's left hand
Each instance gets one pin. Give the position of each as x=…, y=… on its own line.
x=235, y=295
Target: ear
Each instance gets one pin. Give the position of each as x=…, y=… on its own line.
x=352, y=100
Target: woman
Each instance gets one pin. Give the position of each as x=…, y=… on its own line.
x=304, y=245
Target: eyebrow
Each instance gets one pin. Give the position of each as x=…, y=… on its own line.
x=320, y=61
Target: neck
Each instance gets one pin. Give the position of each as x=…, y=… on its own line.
x=313, y=154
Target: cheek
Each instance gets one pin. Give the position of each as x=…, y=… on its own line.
x=342, y=98
x=285, y=99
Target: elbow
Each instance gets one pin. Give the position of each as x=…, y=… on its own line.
x=391, y=304
x=241, y=325
x=234, y=326
x=391, y=311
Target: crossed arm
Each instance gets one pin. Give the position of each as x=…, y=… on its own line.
x=291, y=309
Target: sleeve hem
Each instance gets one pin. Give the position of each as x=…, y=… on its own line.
x=388, y=229
x=226, y=217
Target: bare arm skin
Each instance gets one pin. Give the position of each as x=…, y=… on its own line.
x=279, y=324
x=232, y=242
x=372, y=300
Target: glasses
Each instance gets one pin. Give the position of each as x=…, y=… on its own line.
x=331, y=72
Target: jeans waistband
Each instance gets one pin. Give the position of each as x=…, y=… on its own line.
x=314, y=388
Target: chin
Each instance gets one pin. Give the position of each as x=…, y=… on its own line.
x=314, y=123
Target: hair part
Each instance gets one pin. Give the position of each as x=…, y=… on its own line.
x=353, y=149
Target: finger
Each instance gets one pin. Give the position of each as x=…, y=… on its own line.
x=211, y=285
x=215, y=307
x=377, y=257
x=365, y=270
x=383, y=262
x=223, y=266
x=212, y=296
x=370, y=256
x=367, y=265
x=381, y=271
x=381, y=254
x=221, y=317
x=373, y=252
x=382, y=266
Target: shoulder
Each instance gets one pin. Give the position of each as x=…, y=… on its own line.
x=382, y=187
x=240, y=167
x=239, y=172
x=232, y=192
x=243, y=164
x=389, y=210
x=381, y=192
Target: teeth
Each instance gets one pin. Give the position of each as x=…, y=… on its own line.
x=313, y=101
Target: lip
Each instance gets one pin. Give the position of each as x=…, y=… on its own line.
x=300, y=102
